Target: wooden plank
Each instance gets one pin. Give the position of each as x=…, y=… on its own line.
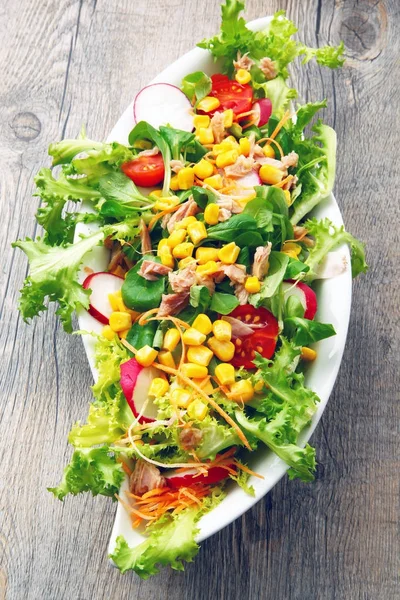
x=68, y=63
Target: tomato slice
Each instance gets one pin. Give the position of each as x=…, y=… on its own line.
x=263, y=340
x=237, y=96
x=145, y=171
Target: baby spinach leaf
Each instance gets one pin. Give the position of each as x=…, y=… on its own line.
x=177, y=140
x=140, y=294
x=202, y=196
x=304, y=332
x=293, y=307
x=295, y=267
x=241, y=229
x=142, y=335
x=200, y=297
x=223, y=303
x=196, y=85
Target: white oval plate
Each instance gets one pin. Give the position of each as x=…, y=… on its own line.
x=334, y=301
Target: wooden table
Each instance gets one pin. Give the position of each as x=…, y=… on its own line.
x=71, y=62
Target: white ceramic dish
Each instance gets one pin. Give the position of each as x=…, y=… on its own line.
x=334, y=298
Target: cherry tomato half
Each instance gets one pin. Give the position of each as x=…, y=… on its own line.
x=237, y=96
x=145, y=171
x=263, y=340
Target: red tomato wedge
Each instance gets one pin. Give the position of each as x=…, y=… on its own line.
x=263, y=340
x=145, y=171
x=237, y=96
x=190, y=477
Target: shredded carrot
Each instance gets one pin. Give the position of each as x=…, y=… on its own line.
x=128, y=345
x=283, y=182
x=126, y=468
x=198, y=181
x=210, y=400
x=245, y=114
x=143, y=319
x=281, y=123
x=249, y=124
x=272, y=141
x=162, y=214
x=247, y=470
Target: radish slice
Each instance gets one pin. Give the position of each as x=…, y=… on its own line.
x=249, y=181
x=135, y=382
x=263, y=110
x=101, y=285
x=304, y=293
x=190, y=477
x=163, y=104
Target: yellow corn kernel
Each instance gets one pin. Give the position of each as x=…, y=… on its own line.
x=244, y=146
x=193, y=337
x=174, y=183
x=208, y=104
x=186, y=261
x=158, y=387
x=181, y=397
x=203, y=169
x=108, y=333
x=241, y=391
x=225, y=374
x=222, y=330
x=155, y=194
x=197, y=410
x=165, y=358
x=203, y=324
x=225, y=146
x=252, y=285
x=186, y=178
x=146, y=356
x=185, y=222
x=268, y=151
x=215, y=181
x=183, y=250
x=123, y=334
x=209, y=268
x=114, y=298
x=211, y=213
x=271, y=175
x=242, y=76
x=120, y=321
x=200, y=355
x=163, y=243
x=176, y=237
x=226, y=158
x=205, y=385
x=228, y=118
x=229, y=253
x=288, y=197
x=166, y=257
x=291, y=247
x=201, y=121
x=308, y=354
x=197, y=232
x=203, y=255
x=193, y=370
x=259, y=386
x=222, y=350
x=205, y=135
x=166, y=203
x=171, y=339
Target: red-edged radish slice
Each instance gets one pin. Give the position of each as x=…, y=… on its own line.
x=163, y=104
x=135, y=382
x=304, y=293
x=190, y=477
x=101, y=285
x=263, y=110
x=249, y=181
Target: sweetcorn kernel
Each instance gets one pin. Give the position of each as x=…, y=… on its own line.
x=225, y=374
x=222, y=330
x=185, y=222
x=242, y=76
x=120, y=321
x=270, y=175
x=186, y=261
x=244, y=146
x=186, y=178
x=200, y=355
x=108, y=333
x=241, y=391
x=198, y=410
x=252, y=285
x=228, y=118
x=208, y=104
x=146, y=355
x=211, y=213
x=308, y=354
x=158, y=387
x=193, y=337
x=165, y=358
x=193, y=370
x=203, y=169
x=205, y=135
x=203, y=255
x=226, y=158
x=197, y=232
x=209, y=268
x=203, y=324
x=201, y=121
x=268, y=151
x=229, y=253
x=181, y=397
x=215, y=181
x=205, y=385
x=183, y=250
x=176, y=237
x=171, y=339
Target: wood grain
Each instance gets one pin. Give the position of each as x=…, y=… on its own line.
x=80, y=61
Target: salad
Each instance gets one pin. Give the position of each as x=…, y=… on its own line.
x=207, y=310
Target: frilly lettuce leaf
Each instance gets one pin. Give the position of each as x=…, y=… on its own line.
x=327, y=237
x=90, y=470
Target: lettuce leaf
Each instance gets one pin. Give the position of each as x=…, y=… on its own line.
x=94, y=471
x=275, y=42
x=327, y=237
x=54, y=272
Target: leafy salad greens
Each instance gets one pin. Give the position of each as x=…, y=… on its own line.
x=206, y=314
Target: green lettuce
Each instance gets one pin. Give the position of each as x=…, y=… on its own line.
x=90, y=470
x=54, y=272
x=328, y=237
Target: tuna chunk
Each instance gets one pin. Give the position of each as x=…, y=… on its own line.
x=187, y=209
x=151, y=270
x=145, y=477
x=177, y=165
x=190, y=438
x=243, y=62
x=217, y=126
x=242, y=167
x=182, y=280
x=261, y=261
x=172, y=304
x=268, y=68
x=290, y=160
x=241, y=294
x=236, y=273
